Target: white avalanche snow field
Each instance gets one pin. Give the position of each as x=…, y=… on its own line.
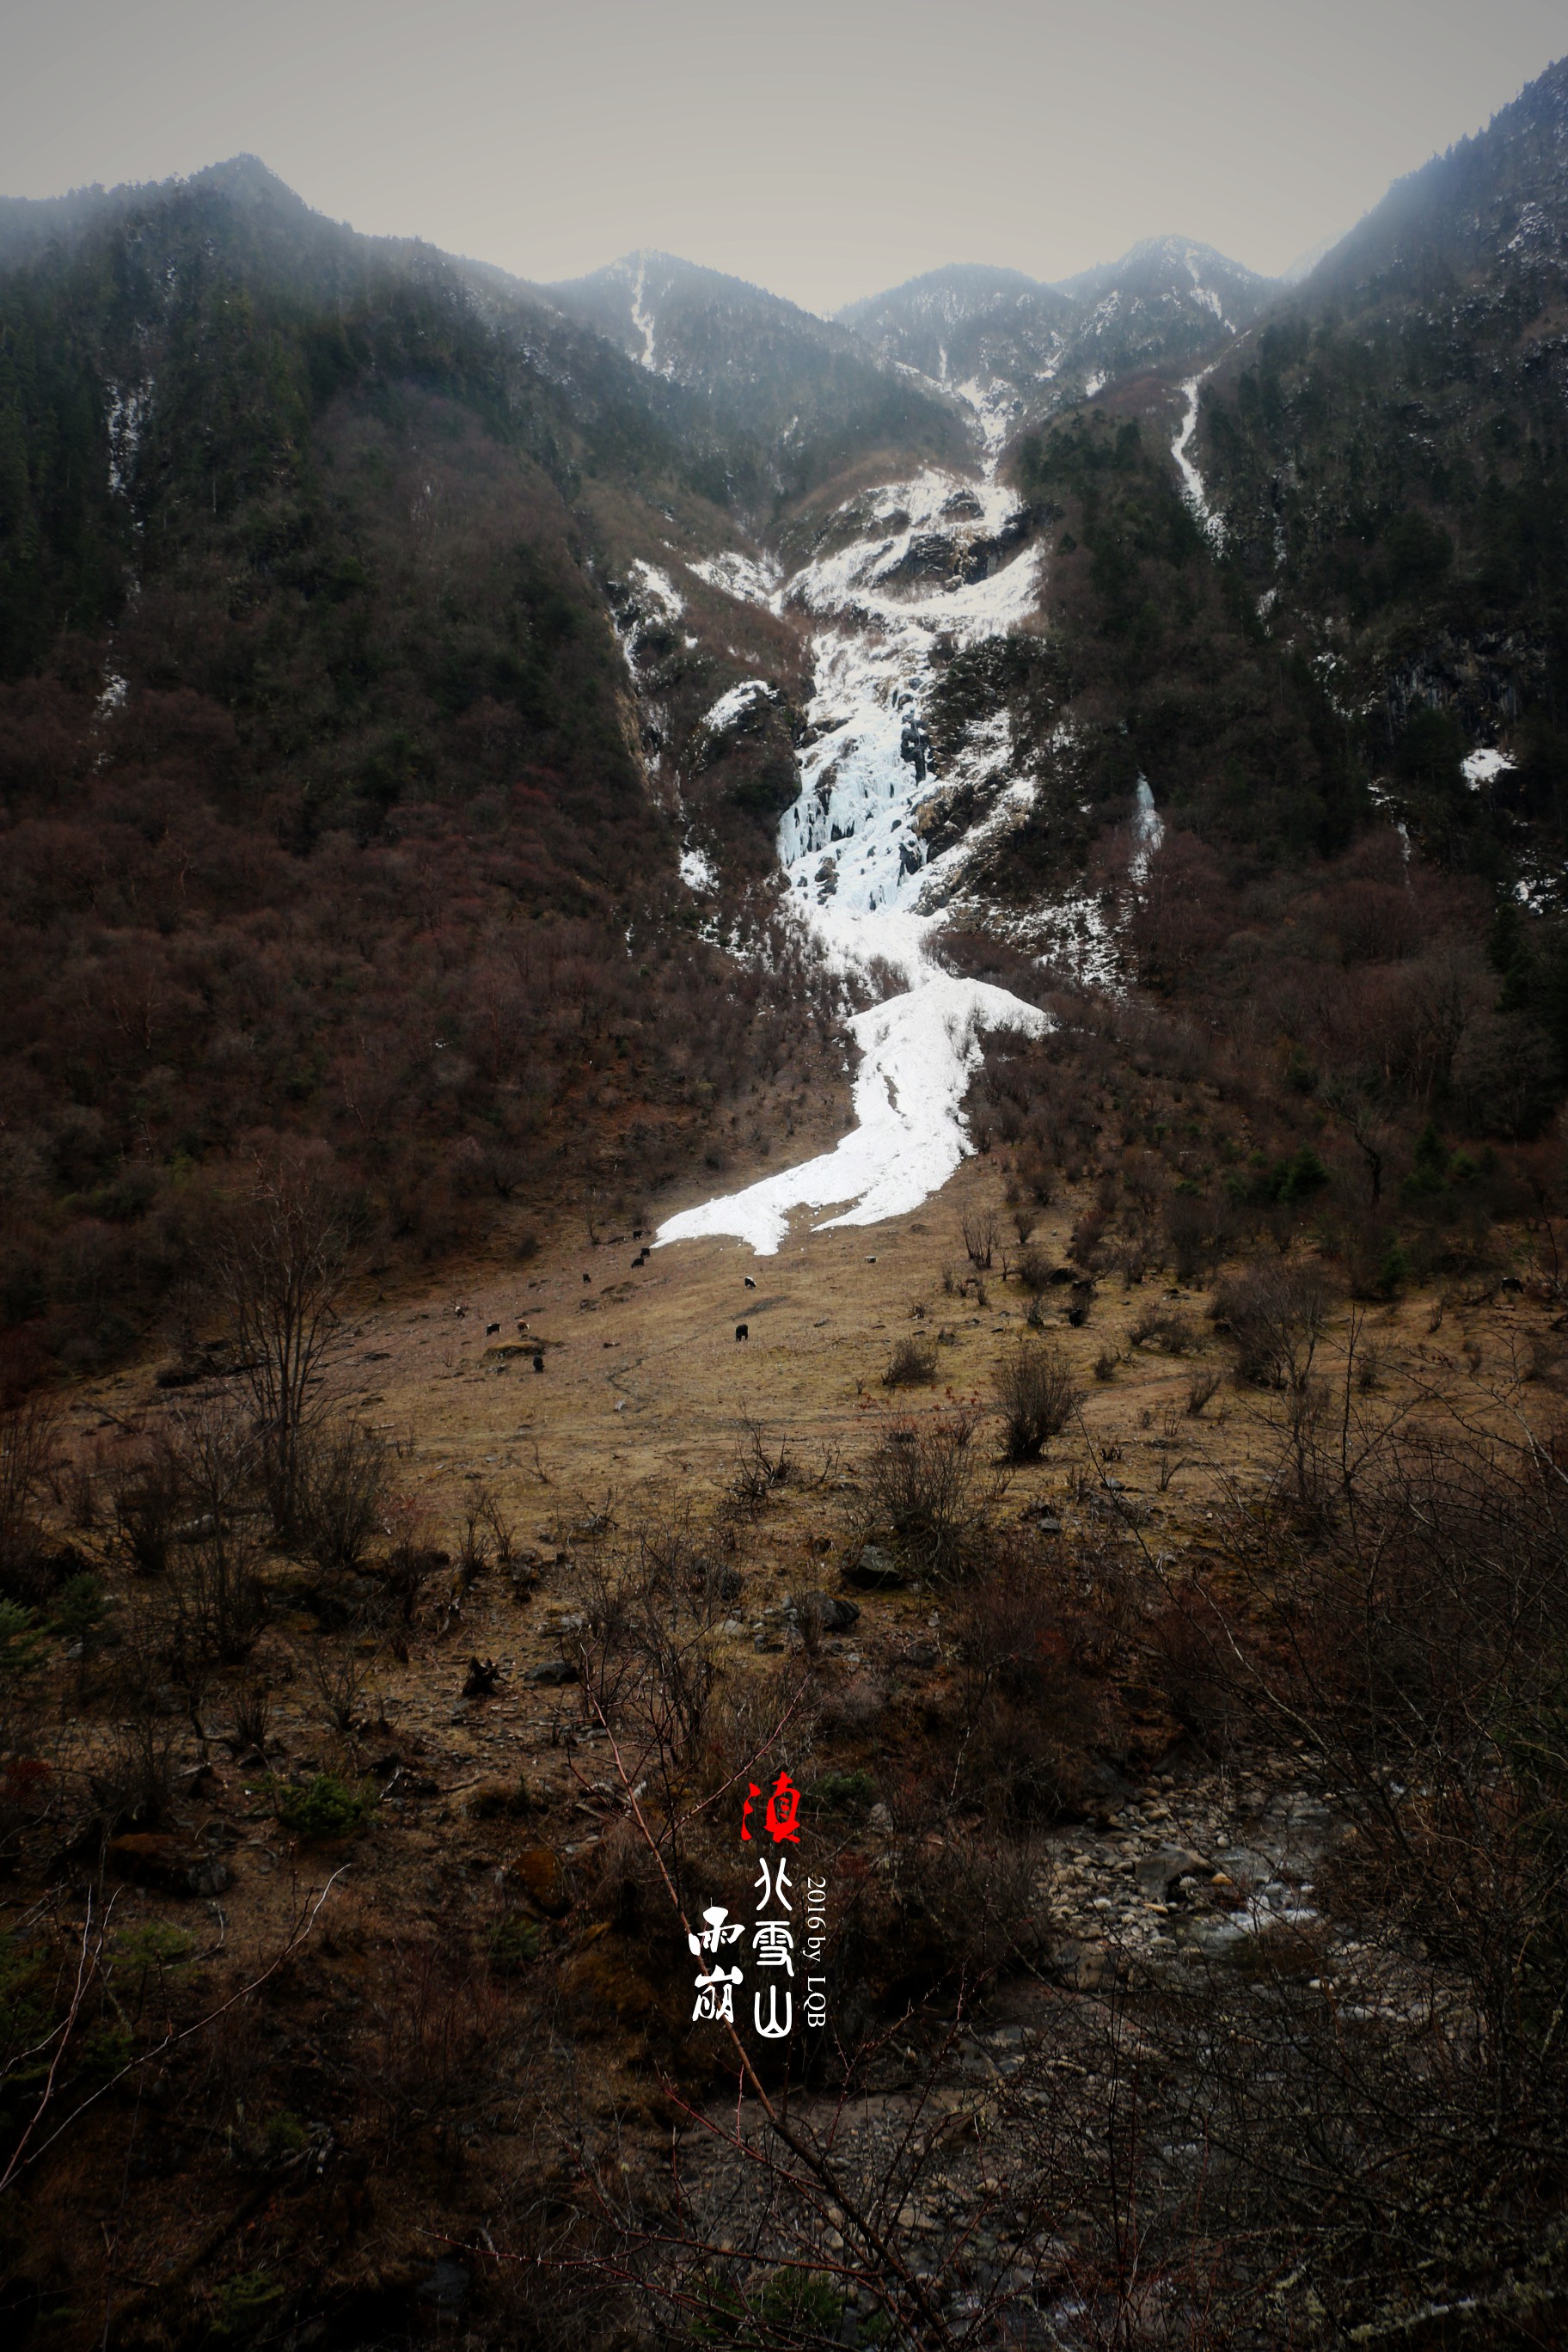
x=854, y=862
x=918, y=1052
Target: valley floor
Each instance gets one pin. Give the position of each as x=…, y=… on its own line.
x=649, y=1409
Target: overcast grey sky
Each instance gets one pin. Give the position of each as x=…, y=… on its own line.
x=825, y=148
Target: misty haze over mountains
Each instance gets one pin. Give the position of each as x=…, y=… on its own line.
x=1002, y=345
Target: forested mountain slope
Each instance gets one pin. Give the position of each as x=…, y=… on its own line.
x=973, y=329
x=1388, y=456
x=325, y=810
x=1167, y=299
x=791, y=399
x=1272, y=704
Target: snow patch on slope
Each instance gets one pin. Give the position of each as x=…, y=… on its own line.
x=733, y=706
x=918, y=1054
x=1192, y=481
x=1148, y=832
x=126, y=412
x=654, y=600
x=750, y=580
x=995, y=405
x=858, y=582
x=658, y=588
x=643, y=318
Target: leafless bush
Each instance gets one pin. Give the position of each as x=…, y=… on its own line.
x=678, y=1560
x=344, y=1677
x=144, y=1490
x=410, y=1558
x=1276, y=1315
x=473, y=1543
x=252, y=1717
x=747, y=1710
x=1202, y=1388
x=1144, y=1178
x=1173, y=1332
x=1197, y=1233
x=434, y=2020
x=501, y=1529
x=981, y=1231
x=944, y=1914
x=645, y=1648
x=218, y=1600
x=339, y=1480
x=1037, y=1395
x=216, y=1595
x=670, y=1557
x=28, y=1451
x=1085, y=1244
x=926, y=1481
x=1032, y=1269
x=1029, y=1705
x=911, y=1365
x=135, y=1774
x=1128, y=1257
x=78, y=1489
x=758, y=1470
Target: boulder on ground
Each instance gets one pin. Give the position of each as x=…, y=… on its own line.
x=832, y=1610
x=874, y=1570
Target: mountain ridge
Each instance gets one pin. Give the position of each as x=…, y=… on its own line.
x=1018, y=348
x=783, y=380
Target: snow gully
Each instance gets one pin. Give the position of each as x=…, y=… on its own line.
x=854, y=862
x=1192, y=481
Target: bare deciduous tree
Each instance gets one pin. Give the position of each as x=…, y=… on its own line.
x=278, y=1265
